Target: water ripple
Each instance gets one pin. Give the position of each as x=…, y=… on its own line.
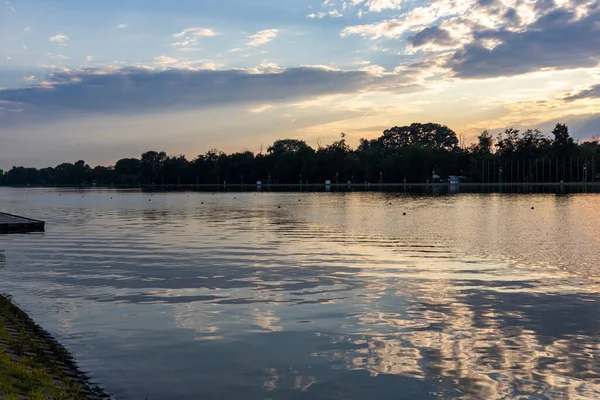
x=338, y=296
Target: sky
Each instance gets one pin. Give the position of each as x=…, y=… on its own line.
x=103, y=80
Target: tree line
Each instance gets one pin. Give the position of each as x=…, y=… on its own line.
x=413, y=153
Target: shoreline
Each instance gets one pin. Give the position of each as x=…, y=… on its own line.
x=34, y=365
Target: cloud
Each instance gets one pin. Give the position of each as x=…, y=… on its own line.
x=131, y=90
x=27, y=28
x=262, y=37
x=374, y=70
x=487, y=33
x=323, y=14
x=60, y=39
x=381, y=5
x=592, y=92
x=262, y=108
x=371, y=5
x=189, y=38
x=89, y=58
x=195, y=32
x=122, y=26
x=432, y=35
x=392, y=28
x=557, y=40
x=165, y=60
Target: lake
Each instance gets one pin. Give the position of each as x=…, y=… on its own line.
x=315, y=295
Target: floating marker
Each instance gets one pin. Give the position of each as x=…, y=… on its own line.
x=404, y=213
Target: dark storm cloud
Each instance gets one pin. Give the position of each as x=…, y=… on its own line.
x=136, y=89
x=591, y=92
x=432, y=35
x=556, y=40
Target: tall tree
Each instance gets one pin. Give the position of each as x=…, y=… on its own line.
x=485, y=142
x=151, y=165
x=563, y=142
x=287, y=145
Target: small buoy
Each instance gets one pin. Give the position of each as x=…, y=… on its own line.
x=149, y=200
x=533, y=208
x=111, y=198
x=403, y=213
x=235, y=198
x=278, y=206
x=202, y=203
x=390, y=204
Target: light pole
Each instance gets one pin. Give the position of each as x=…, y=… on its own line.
x=585, y=172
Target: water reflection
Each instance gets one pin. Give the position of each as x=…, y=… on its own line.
x=340, y=295
x=488, y=345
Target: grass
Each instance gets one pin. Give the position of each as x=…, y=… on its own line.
x=30, y=362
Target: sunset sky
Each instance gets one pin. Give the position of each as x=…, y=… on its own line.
x=102, y=80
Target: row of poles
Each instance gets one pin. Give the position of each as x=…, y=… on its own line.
x=539, y=171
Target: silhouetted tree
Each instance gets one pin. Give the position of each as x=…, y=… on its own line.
x=409, y=152
x=563, y=142
x=485, y=141
x=151, y=164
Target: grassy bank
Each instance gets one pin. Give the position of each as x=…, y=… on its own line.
x=32, y=364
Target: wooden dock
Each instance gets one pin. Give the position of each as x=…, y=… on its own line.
x=14, y=224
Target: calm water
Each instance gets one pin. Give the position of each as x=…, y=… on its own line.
x=331, y=296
